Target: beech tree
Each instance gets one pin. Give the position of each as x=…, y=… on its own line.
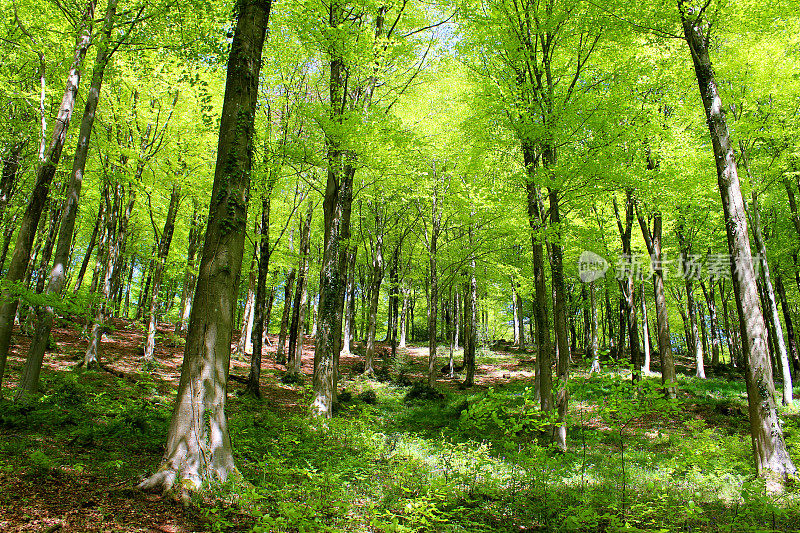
x=198, y=443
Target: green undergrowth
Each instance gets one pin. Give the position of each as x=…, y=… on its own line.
x=396, y=460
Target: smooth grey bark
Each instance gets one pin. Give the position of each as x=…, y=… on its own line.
x=243, y=345
x=403, y=318
x=40, y=192
x=771, y=306
x=161, y=260
x=769, y=448
x=350, y=305
x=198, y=443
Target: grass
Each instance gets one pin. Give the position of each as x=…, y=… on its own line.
x=470, y=461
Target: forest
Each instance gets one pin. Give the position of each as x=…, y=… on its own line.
x=399, y=266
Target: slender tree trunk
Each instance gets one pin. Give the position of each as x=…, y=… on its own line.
x=787, y=318
x=769, y=448
x=261, y=318
x=470, y=321
x=198, y=443
x=516, y=313
x=646, y=334
x=191, y=273
x=161, y=261
x=243, y=345
x=560, y=322
x=772, y=306
x=8, y=178
x=433, y=297
x=403, y=319
x=595, y=347
x=298, y=309
x=39, y=194
x=288, y=292
x=544, y=348
x=708, y=294
x=350, y=305
x=376, y=278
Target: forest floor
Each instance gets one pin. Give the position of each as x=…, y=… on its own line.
x=395, y=458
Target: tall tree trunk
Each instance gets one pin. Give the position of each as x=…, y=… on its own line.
x=243, y=345
x=544, y=347
x=288, y=292
x=191, y=270
x=687, y=260
x=628, y=284
x=708, y=294
x=769, y=448
x=787, y=318
x=261, y=318
x=433, y=296
x=560, y=321
x=298, y=309
x=161, y=261
x=516, y=313
x=44, y=175
x=595, y=346
x=403, y=319
x=198, y=443
x=376, y=278
x=470, y=320
x=772, y=306
x=350, y=305
x=646, y=334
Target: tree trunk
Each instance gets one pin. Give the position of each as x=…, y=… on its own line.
x=470, y=321
x=161, y=261
x=243, y=345
x=191, y=270
x=708, y=294
x=350, y=304
x=403, y=319
x=261, y=318
x=646, y=334
x=39, y=194
x=544, y=348
x=298, y=309
x=769, y=448
x=772, y=306
x=516, y=313
x=198, y=444
x=787, y=318
x=376, y=278
x=595, y=347
x=628, y=285
x=560, y=322
x=288, y=292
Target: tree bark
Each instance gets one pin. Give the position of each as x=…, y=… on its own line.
x=544, y=349
x=39, y=195
x=772, y=305
x=261, y=319
x=595, y=347
x=769, y=449
x=560, y=321
x=161, y=261
x=198, y=443
x=787, y=318
x=294, y=362
x=376, y=279
x=350, y=305
x=191, y=270
x=288, y=292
